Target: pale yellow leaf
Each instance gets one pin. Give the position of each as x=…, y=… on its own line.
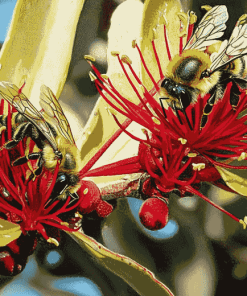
x=138, y=277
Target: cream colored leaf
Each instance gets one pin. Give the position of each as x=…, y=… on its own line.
x=138, y=277
x=125, y=26
x=234, y=181
x=155, y=12
x=8, y=232
x=39, y=44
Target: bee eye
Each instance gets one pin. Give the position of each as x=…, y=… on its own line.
x=165, y=82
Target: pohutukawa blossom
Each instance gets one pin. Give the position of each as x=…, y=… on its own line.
x=179, y=148
x=32, y=206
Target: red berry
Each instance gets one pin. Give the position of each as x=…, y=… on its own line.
x=90, y=197
x=154, y=213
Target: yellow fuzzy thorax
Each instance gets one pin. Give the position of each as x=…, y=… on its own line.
x=178, y=59
x=64, y=147
x=203, y=85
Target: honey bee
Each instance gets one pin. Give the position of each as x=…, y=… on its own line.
x=50, y=131
x=207, y=65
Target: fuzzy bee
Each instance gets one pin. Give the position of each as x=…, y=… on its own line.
x=207, y=65
x=50, y=131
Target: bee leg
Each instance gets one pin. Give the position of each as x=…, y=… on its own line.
x=185, y=114
x=40, y=163
x=176, y=111
x=24, y=159
x=22, y=130
x=208, y=109
x=234, y=95
x=162, y=106
x=38, y=171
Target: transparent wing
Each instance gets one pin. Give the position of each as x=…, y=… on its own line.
x=10, y=93
x=232, y=49
x=8, y=232
x=52, y=108
x=210, y=28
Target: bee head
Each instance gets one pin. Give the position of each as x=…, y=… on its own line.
x=182, y=93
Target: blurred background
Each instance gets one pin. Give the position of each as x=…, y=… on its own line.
x=200, y=252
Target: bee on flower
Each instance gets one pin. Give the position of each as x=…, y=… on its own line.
x=31, y=209
x=192, y=117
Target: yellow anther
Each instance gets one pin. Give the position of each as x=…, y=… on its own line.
x=134, y=43
x=77, y=214
x=243, y=222
x=198, y=166
x=2, y=128
x=147, y=144
x=52, y=240
x=182, y=140
x=206, y=7
x=125, y=59
x=242, y=20
x=89, y=58
x=191, y=154
x=65, y=223
x=156, y=120
x=104, y=76
x=242, y=156
x=144, y=131
x=115, y=53
x=85, y=191
x=92, y=76
x=193, y=17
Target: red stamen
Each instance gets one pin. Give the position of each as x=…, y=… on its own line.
x=146, y=68
x=167, y=45
x=21, y=88
x=194, y=191
x=190, y=32
x=157, y=60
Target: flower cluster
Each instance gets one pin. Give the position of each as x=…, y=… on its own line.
x=31, y=206
x=177, y=152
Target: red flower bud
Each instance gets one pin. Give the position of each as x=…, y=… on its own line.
x=154, y=213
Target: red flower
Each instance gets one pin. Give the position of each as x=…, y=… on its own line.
x=32, y=207
x=177, y=153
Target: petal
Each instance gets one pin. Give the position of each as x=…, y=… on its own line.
x=152, y=16
x=234, y=181
x=39, y=44
x=138, y=277
x=125, y=27
x=9, y=232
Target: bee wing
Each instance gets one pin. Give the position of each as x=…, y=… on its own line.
x=8, y=232
x=10, y=93
x=209, y=29
x=52, y=108
x=232, y=49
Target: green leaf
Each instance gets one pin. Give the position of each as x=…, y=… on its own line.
x=138, y=277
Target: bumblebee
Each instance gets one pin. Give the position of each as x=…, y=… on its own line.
x=207, y=65
x=50, y=131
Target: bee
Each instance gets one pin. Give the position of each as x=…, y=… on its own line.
x=50, y=131
x=207, y=65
